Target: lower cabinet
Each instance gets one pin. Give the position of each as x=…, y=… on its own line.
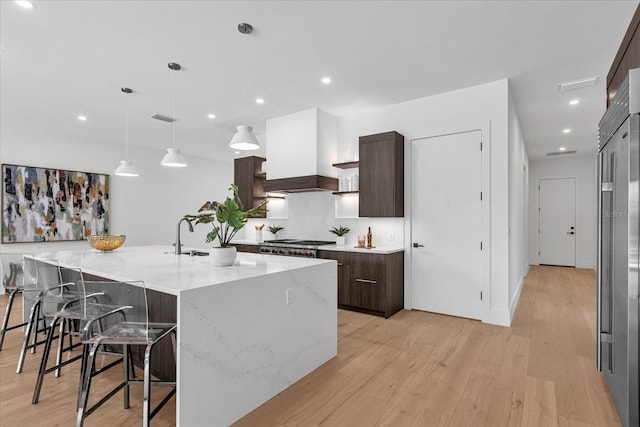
x=370, y=283
x=254, y=249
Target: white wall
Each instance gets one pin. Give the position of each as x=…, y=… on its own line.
x=487, y=104
x=518, y=208
x=583, y=168
x=146, y=208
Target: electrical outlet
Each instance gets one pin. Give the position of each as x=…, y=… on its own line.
x=392, y=236
x=289, y=294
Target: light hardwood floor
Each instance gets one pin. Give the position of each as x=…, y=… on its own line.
x=415, y=369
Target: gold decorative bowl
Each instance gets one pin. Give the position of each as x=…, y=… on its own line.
x=106, y=243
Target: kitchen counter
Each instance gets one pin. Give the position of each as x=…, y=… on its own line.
x=245, y=332
x=376, y=250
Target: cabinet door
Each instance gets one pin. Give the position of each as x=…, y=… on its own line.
x=367, y=280
x=382, y=175
x=250, y=182
x=345, y=293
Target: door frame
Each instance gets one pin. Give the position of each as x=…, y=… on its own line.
x=484, y=127
x=575, y=216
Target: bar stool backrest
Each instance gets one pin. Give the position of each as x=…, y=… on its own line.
x=11, y=270
x=127, y=326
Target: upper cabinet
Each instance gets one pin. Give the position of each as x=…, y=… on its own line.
x=248, y=176
x=382, y=175
x=628, y=57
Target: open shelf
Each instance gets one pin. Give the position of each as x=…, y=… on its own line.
x=347, y=165
x=340, y=193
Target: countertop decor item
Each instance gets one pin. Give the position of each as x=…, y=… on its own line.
x=275, y=229
x=106, y=242
x=244, y=139
x=340, y=232
x=126, y=168
x=226, y=218
x=174, y=158
x=259, y=232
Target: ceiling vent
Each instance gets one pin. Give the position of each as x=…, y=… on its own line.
x=561, y=153
x=578, y=84
x=163, y=118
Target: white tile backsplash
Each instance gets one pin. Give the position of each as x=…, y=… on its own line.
x=312, y=214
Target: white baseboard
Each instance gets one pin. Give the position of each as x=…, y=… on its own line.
x=498, y=316
x=513, y=304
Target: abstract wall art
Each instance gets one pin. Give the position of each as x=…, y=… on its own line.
x=44, y=205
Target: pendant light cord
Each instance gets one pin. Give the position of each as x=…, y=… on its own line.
x=245, y=80
x=174, y=107
x=126, y=129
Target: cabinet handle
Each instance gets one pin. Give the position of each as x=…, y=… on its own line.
x=367, y=281
x=340, y=264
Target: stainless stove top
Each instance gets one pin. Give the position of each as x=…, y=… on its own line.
x=293, y=247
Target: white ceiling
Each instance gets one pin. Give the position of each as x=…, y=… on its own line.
x=71, y=57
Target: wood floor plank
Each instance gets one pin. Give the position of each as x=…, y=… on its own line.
x=539, y=408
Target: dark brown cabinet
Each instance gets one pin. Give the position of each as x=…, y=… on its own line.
x=627, y=58
x=254, y=249
x=248, y=176
x=369, y=283
x=382, y=175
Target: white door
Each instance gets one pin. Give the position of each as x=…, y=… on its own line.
x=557, y=221
x=446, y=218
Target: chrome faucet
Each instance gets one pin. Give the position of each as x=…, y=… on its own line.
x=178, y=244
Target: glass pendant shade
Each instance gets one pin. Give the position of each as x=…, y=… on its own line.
x=244, y=139
x=173, y=159
x=126, y=169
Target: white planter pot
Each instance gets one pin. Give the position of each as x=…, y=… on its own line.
x=223, y=257
x=340, y=240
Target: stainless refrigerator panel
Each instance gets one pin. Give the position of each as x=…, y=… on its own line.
x=633, y=270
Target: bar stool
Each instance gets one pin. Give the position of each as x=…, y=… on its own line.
x=35, y=287
x=13, y=282
x=70, y=314
x=129, y=327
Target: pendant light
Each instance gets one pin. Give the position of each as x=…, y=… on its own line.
x=174, y=158
x=126, y=168
x=244, y=139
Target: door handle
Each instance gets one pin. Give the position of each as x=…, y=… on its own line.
x=418, y=245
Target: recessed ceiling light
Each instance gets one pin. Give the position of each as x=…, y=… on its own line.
x=562, y=149
x=82, y=118
x=574, y=102
x=211, y=116
x=259, y=101
x=326, y=80
x=26, y=4
x=566, y=130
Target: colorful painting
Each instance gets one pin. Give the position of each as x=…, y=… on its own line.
x=45, y=205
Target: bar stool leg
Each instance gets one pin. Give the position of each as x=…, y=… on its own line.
x=83, y=367
x=7, y=313
x=125, y=362
x=34, y=339
x=43, y=363
x=146, y=404
x=86, y=384
x=27, y=334
x=63, y=323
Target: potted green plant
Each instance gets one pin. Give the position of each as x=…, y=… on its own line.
x=340, y=232
x=226, y=218
x=275, y=229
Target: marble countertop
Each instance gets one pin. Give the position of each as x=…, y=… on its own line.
x=376, y=250
x=163, y=271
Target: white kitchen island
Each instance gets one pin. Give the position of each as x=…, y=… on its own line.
x=245, y=332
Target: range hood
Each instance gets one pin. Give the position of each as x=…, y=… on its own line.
x=301, y=148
